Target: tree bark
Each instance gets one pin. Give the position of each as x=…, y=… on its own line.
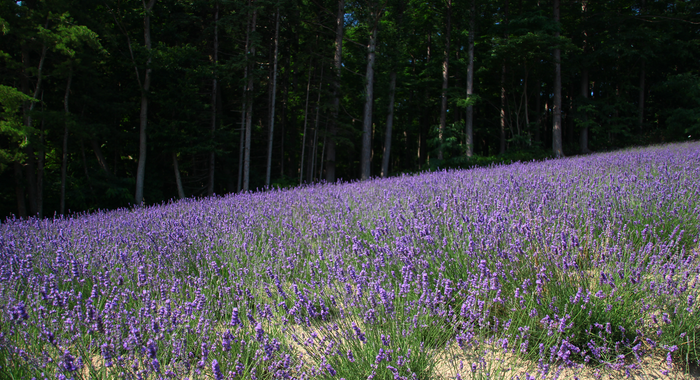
x=244, y=107
x=241, y=144
x=502, y=131
x=502, y=148
x=557, y=148
x=445, y=80
x=337, y=65
x=85, y=165
x=274, y=98
x=642, y=76
x=583, y=139
x=303, y=136
x=100, y=157
x=538, y=108
x=249, y=110
x=64, y=152
x=369, y=98
x=585, y=90
x=314, y=145
x=40, y=167
x=527, y=110
x=178, y=179
x=470, y=83
x=389, y=125
x=143, y=117
x=212, y=155
x=283, y=114
x=29, y=108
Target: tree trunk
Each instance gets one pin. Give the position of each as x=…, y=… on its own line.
x=283, y=115
x=502, y=131
x=212, y=155
x=502, y=147
x=583, y=140
x=642, y=75
x=249, y=110
x=424, y=129
x=389, y=125
x=143, y=117
x=583, y=134
x=64, y=152
x=569, y=119
x=369, y=97
x=557, y=148
x=85, y=166
x=445, y=81
x=178, y=179
x=274, y=97
x=303, y=136
x=40, y=168
x=314, y=145
x=241, y=144
x=470, y=83
x=538, y=110
x=100, y=157
x=337, y=65
x=244, y=106
x=29, y=150
x=527, y=111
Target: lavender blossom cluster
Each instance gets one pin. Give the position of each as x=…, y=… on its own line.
x=589, y=262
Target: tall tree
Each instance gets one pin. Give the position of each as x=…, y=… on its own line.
x=64, y=150
x=28, y=112
x=274, y=97
x=389, y=125
x=144, y=86
x=249, y=107
x=557, y=148
x=303, y=135
x=369, y=96
x=178, y=179
x=214, y=93
x=585, y=90
x=445, y=79
x=502, y=146
x=470, y=83
x=337, y=67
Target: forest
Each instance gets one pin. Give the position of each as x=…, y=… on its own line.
x=114, y=103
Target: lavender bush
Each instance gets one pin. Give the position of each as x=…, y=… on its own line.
x=560, y=265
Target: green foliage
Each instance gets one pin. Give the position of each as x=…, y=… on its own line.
x=683, y=91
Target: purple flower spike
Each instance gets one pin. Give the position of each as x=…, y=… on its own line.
x=235, y=320
x=216, y=370
x=152, y=349
x=259, y=332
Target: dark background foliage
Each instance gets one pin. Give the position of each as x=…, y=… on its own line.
x=640, y=56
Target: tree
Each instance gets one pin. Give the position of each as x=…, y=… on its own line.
x=337, y=67
x=557, y=147
x=389, y=125
x=470, y=83
x=369, y=95
x=214, y=93
x=272, y=103
x=445, y=79
x=249, y=102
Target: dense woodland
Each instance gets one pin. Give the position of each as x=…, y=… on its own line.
x=111, y=103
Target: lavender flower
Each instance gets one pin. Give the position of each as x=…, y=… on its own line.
x=216, y=370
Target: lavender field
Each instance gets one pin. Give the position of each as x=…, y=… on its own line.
x=572, y=266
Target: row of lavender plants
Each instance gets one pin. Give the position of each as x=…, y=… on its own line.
x=560, y=265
